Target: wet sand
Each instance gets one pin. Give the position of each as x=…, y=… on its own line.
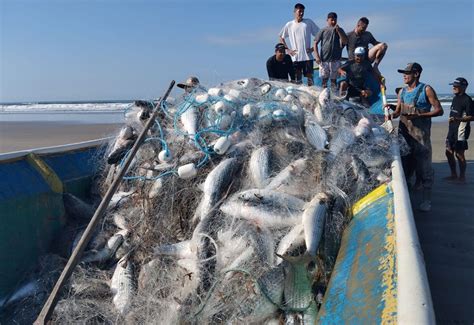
x=447, y=236
x=16, y=136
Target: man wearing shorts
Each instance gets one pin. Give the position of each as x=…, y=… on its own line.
x=332, y=39
x=299, y=32
x=462, y=112
x=357, y=72
x=361, y=37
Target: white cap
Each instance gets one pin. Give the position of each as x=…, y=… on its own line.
x=359, y=51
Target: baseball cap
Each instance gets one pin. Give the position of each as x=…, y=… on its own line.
x=460, y=81
x=411, y=67
x=359, y=50
x=280, y=46
x=189, y=83
x=332, y=15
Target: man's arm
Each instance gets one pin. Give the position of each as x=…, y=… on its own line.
x=316, y=47
x=433, y=99
x=342, y=36
x=291, y=69
x=372, y=39
x=270, y=70
x=398, y=107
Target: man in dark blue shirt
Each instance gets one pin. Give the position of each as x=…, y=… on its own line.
x=462, y=112
x=280, y=66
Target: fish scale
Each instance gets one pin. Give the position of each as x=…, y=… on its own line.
x=215, y=186
x=315, y=134
x=259, y=166
x=313, y=222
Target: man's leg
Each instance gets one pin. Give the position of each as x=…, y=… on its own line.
x=452, y=164
x=308, y=71
x=462, y=165
x=427, y=176
x=451, y=161
x=298, y=72
x=333, y=73
x=377, y=53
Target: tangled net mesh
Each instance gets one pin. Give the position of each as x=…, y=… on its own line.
x=223, y=240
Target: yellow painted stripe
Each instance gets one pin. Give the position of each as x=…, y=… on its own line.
x=388, y=267
x=50, y=177
x=369, y=198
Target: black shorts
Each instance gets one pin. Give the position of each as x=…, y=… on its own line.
x=305, y=66
x=453, y=144
x=352, y=92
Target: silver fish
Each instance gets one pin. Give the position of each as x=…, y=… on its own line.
x=298, y=296
x=259, y=166
x=360, y=169
x=315, y=134
x=184, y=249
x=313, y=222
x=262, y=241
x=270, y=296
x=107, y=252
x=122, y=285
x=293, y=239
x=273, y=199
x=261, y=215
x=215, y=186
x=343, y=139
x=288, y=174
x=123, y=143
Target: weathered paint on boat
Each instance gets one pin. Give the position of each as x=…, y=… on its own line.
x=31, y=203
x=363, y=286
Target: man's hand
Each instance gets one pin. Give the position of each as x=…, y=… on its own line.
x=412, y=116
x=365, y=93
x=292, y=52
x=343, y=73
x=318, y=60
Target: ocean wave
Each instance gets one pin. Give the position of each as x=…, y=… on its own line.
x=63, y=107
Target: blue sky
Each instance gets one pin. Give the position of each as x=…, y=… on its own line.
x=104, y=49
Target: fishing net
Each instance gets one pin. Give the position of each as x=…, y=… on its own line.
x=231, y=211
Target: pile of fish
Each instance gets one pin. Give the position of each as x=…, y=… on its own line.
x=232, y=210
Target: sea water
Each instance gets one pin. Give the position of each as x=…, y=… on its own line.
x=107, y=111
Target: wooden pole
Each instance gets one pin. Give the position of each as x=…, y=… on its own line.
x=48, y=307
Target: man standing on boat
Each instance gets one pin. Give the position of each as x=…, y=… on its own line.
x=414, y=108
x=332, y=39
x=299, y=32
x=361, y=37
x=280, y=65
x=462, y=112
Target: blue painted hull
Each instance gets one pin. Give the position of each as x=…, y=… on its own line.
x=32, y=210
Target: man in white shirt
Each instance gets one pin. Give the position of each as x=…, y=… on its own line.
x=299, y=32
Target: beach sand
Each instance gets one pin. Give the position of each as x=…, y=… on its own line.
x=16, y=136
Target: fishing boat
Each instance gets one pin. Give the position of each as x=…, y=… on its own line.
x=379, y=275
